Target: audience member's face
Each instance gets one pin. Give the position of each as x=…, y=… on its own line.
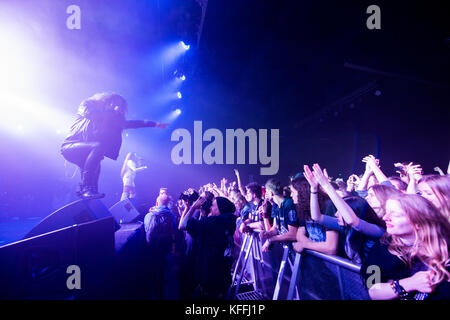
x=269, y=195
x=294, y=194
x=249, y=196
x=239, y=204
x=214, y=209
x=397, y=222
x=373, y=201
x=427, y=193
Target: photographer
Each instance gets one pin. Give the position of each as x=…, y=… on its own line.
x=212, y=237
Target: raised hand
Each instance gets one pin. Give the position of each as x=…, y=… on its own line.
x=198, y=203
x=265, y=247
x=353, y=180
x=414, y=171
x=320, y=176
x=223, y=182
x=439, y=170
x=371, y=162
x=310, y=178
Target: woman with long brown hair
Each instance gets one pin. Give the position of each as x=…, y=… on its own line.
x=311, y=235
x=412, y=259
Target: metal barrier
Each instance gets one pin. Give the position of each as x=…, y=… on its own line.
x=285, y=275
x=317, y=276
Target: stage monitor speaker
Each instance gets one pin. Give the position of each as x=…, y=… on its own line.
x=36, y=268
x=125, y=211
x=77, y=212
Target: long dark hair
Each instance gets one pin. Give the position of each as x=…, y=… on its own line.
x=357, y=241
x=107, y=101
x=302, y=203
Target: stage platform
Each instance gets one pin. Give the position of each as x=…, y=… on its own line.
x=15, y=228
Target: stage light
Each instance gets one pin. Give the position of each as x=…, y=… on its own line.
x=184, y=46
x=378, y=93
x=179, y=75
x=179, y=95
x=177, y=112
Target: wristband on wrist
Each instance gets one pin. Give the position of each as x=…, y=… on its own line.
x=398, y=289
x=314, y=192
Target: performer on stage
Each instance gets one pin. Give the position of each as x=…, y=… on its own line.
x=131, y=166
x=97, y=133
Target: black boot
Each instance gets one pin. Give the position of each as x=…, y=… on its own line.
x=90, y=192
x=80, y=192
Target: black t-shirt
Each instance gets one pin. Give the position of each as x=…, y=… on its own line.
x=392, y=268
x=285, y=215
x=352, y=244
x=212, y=236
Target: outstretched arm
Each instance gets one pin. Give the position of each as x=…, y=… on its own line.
x=345, y=210
x=239, y=182
x=414, y=173
x=329, y=246
x=362, y=185
x=134, y=124
x=373, y=164
x=420, y=281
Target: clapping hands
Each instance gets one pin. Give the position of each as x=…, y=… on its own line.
x=316, y=177
x=414, y=171
x=371, y=162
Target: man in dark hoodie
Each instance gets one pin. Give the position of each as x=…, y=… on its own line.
x=214, y=236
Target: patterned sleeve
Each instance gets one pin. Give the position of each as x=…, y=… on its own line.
x=291, y=218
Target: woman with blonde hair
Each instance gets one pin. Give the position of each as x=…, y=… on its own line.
x=412, y=259
x=436, y=189
x=131, y=166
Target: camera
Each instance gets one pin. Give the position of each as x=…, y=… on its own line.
x=189, y=197
x=206, y=206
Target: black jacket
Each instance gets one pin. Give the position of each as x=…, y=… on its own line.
x=93, y=124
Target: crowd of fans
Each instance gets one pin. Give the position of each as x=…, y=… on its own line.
x=400, y=224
